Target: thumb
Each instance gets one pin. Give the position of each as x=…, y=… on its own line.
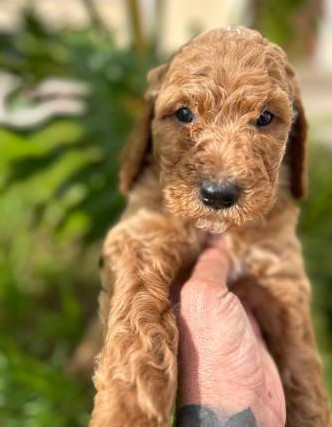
x=206, y=288
x=212, y=265
x=210, y=271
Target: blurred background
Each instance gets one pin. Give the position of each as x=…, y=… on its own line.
x=71, y=77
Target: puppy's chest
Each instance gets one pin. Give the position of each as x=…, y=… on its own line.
x=254, y=259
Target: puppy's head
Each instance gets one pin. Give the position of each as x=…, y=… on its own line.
x=220, y=118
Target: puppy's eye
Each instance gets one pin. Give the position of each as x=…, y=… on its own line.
x=264, y=119
x=184, y=115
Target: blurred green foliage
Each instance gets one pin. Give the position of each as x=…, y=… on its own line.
x=316, y=236
x=58, y=196
x=58, y=185
x=293, y=24
x=90, y=144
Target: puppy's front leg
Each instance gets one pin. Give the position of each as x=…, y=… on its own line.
x=136, y=373
x=297, y=357
x=283, y=309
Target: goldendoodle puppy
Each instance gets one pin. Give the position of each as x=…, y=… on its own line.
x=220, y=148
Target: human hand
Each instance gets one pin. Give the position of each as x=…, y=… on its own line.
x=226, y=374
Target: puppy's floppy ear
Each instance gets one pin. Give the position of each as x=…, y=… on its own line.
x=139, y=142
x=296, y=150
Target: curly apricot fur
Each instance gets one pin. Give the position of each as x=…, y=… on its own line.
x=226, y=77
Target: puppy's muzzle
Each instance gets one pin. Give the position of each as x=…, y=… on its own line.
x=219, y=195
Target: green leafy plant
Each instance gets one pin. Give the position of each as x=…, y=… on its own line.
x=116, y=79
x=58, y=183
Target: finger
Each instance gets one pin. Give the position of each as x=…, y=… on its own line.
x=211, y=270
x=207, y=285
x=212, y=265
x=216, y=241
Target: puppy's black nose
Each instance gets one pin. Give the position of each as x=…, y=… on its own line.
x=219, y=195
